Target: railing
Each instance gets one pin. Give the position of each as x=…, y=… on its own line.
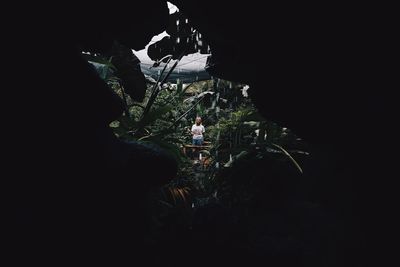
x=194, y=152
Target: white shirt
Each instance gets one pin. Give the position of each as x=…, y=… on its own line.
x=198, y=131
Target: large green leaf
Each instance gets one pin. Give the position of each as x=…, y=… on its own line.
x=104, y=71
x=252, y=116
x=235, y=158
x=155, y=114
x=252, y=124
x=100, y=60
x=127, y=122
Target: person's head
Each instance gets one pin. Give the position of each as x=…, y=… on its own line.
x=198, y=120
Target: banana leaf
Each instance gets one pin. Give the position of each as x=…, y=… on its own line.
x=155, y=114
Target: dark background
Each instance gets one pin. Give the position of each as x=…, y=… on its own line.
x=67, y=179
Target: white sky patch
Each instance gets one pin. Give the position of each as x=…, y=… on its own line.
x=143, y=53
x=194, y=62
x=172, y=8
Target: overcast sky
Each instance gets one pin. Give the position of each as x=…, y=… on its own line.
x=195, y=61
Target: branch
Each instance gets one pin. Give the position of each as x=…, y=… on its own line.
x=156, y=90
x=184, y=114
x=290, y=157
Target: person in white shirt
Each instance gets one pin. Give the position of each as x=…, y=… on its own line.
x=197, y=132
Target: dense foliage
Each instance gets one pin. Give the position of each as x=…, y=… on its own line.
x=248, y=176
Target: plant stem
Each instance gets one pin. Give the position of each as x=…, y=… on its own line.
x=156, y=89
